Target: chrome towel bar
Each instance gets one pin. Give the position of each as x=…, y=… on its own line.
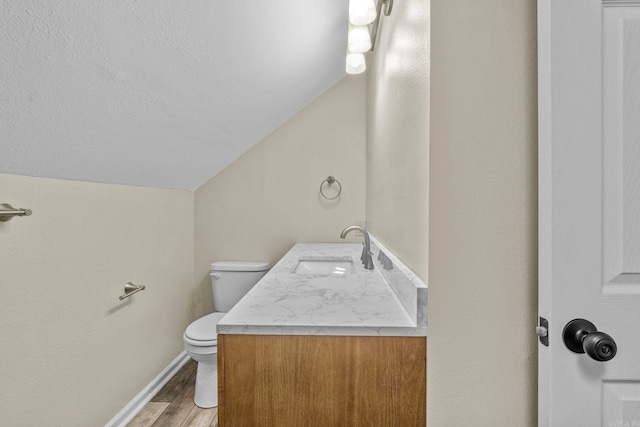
x=130, y=289
x=7, y=212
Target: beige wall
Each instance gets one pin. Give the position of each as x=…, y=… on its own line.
x=398, y=135
x=67, y=344
x=268, y=199
x=482, y=264
x=72, y=353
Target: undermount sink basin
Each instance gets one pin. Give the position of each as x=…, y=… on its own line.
x=325, y=266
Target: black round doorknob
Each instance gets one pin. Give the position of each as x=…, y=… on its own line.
x=581, y=336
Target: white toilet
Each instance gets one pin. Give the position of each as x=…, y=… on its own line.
x=230, y=282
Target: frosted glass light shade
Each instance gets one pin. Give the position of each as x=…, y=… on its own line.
x=362, y=12
x=356, y=63
x=359, y=39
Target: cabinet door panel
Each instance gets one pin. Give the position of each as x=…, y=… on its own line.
x=321, y=381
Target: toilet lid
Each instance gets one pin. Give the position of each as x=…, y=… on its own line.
x=204, y=329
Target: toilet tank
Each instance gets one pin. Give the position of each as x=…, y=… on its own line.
x=231, y=280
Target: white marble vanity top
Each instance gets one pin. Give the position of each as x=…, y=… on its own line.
x=362, y=303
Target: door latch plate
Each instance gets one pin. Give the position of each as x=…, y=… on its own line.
x=543, y=331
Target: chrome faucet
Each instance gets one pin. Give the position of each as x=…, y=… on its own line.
x=366, y=251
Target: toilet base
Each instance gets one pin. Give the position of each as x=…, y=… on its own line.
x=206, y=393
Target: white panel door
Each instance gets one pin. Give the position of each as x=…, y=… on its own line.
x=589, y=207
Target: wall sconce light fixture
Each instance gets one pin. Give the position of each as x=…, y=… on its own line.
x=364, y=17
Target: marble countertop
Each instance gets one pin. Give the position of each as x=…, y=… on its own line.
x=362, y=303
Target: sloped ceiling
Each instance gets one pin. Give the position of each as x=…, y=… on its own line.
x=157, y=93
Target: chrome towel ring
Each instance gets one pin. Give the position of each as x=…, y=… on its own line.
x=330, y=180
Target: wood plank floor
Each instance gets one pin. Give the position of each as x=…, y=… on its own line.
x=173, y=405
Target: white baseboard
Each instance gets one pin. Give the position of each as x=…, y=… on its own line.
x=135, y=405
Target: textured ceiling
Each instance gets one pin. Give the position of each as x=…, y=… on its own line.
x=158, y=93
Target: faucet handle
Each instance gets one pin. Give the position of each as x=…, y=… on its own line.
x=368, y=261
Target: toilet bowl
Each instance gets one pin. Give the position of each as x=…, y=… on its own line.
x=230, y=282
x=201, y=343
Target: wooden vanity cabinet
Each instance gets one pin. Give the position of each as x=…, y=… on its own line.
x=323, y=381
